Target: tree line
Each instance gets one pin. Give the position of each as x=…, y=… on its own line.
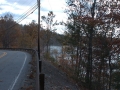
x=93, y=41
x=15, y=35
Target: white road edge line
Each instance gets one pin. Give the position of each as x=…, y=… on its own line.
x=18, y=73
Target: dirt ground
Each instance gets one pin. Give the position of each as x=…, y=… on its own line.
x=55, y=79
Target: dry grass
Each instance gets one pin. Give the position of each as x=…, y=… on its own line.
x=27, y=88
x=30, y=82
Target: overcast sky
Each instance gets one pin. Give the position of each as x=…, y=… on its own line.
x=18, y=7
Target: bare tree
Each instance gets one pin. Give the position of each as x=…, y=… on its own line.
x=48, y=33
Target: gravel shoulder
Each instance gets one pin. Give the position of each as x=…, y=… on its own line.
x=56, y=79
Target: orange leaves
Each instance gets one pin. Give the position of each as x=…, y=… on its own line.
x=89, y=20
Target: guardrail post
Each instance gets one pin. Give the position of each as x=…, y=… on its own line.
x=42, y=78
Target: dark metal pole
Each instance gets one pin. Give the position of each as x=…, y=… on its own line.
x=39, y=35
x=39, y=29
x=41, y=76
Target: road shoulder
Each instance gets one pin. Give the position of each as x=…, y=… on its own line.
x=56, y=79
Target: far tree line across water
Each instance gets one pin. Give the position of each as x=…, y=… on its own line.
x=14, y=35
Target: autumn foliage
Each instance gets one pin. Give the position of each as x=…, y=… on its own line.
x=93, y=31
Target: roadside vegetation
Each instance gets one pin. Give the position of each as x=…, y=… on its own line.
x=92, y=41
x=93, y=32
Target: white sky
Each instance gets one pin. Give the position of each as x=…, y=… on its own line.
x=18, y=7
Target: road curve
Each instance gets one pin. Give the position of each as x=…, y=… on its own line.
x=14, y=66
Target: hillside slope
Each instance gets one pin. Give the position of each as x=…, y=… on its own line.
x=56, y=79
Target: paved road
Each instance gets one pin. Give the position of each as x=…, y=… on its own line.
x=13, y=69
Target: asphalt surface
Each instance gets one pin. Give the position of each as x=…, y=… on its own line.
x=13, y=69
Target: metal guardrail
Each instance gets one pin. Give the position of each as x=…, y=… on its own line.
x=39, y=75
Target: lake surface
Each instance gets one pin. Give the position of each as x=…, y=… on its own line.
x=57, y=49
x=56, y=52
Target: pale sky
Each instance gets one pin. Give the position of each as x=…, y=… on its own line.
x=19, y=7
